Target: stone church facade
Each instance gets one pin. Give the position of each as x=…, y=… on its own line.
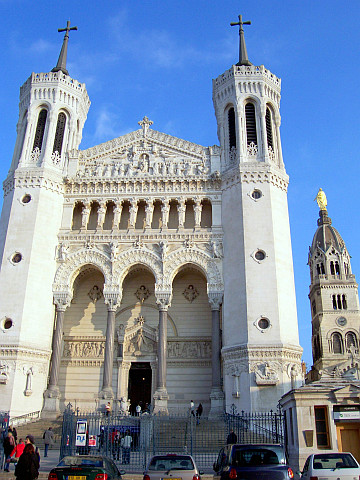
x=147, y=267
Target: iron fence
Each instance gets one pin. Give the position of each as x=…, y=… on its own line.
x=97, y=433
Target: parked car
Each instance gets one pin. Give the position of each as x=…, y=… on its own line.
x=172, y=467
x=331, y=466
x=86, y=467
x=260, y=461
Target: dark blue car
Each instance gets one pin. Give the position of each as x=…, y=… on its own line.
x=256, y=461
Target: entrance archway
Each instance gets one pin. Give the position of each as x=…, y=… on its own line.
x=139, y=385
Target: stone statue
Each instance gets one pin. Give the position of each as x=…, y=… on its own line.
x=62, y=251
x=321, y=199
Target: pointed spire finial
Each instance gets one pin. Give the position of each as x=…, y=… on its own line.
x=61, y=63
x=243, y=56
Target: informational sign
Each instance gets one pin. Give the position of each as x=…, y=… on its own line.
x=346, y=412
x=81, y=429
x=92, y=440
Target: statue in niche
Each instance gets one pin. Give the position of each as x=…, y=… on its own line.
x=62, y=251
x=163, y=248
x=95, y=294
x=113, y=250
x=28, y=387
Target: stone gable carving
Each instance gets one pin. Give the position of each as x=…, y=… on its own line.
x=139, y=339
x=67, y=271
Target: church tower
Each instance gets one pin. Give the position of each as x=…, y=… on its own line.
x=335, y=313
x=52, y=112
x=261, y=351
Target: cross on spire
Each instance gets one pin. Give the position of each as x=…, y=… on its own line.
x=61, y=63
x=243, y=56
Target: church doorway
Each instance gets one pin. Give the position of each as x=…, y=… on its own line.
x=139, y=385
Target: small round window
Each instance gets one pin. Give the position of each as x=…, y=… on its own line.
x=26, y=198
x=256, y=194
x=263, y=323
x=16, y=258
x=341, y=321
x=8, y=323
x=260, y=255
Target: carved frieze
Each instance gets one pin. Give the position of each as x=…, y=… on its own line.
x=189, y=349
x=84, y=349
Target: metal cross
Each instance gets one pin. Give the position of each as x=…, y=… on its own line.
x=67, y=29
x=240, y=23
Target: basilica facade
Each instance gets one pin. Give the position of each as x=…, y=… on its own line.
x=147, y=268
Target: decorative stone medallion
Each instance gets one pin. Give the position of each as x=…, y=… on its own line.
x=190, y=293
x=142, y=293
x=95, y=294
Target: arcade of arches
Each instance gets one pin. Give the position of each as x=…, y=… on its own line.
x=140, y=368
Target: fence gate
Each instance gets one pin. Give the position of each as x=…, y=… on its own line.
x=97, y=433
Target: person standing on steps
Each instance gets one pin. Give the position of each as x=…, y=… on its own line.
x=9, y=445
x=48, y=440
x=199, y=411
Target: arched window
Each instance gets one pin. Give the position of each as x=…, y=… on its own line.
x=332, y=268
x=269, y=128
x=250, y=124
x=40, y=129
x=337, y=344
x=337, y=268
x=350, y=340
x=344, y=303
x=232, y=129
x=59, y=134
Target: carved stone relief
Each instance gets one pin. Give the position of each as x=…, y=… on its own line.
x=266, y=374
x=142, y=293
x=82, y=349
x=190, y=349
x=4, y=373
x=95, y=294
x=190, y=293
x=140, y=344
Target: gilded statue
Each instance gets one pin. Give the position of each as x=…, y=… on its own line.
x=321, y=199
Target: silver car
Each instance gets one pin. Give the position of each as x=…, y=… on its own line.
x=172, y=467
x=331, y=466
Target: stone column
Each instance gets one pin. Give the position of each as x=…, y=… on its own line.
x=117, y=209
x=264, y=133
x=85, y=214
x=217, y=395
x=278, y=142
x=101, y=211
x=181, y=208
x=112, y=300
x=51, y=408
x=161, y=397
x=165, y=210
x=133, y=213
x=197, y=212
x=149, y=210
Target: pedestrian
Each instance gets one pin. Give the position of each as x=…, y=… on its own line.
x=12, y=429
x=18, y=451
x=108, y=409
x=138, y=410
x=192, y=407
x=199, y=411
x=27, y=467
x=31, y=439
x=126, y=442
x=9, y=446
x=232, y=437
x=48, y=440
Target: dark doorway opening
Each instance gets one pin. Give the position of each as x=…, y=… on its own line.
x=139, y=385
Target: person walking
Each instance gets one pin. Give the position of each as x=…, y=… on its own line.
x=18, y=450
x=108, y=409
x=231, y=438
x=192, y=408
x=31, y=439
x=9, y=446
x=199, y=411
x=48, y=440
x=126, y=442
x=27, y=467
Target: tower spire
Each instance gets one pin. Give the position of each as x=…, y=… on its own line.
x=243, y=56
x=61, y=63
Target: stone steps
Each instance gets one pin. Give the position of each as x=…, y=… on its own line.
x=37, y=429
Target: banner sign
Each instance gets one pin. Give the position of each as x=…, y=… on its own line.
x=81, y=430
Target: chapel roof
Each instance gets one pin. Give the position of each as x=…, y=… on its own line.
x=326, y=235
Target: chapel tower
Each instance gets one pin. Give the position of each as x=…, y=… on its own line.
x=261, y=351
x=52, y=112
x=335, y=313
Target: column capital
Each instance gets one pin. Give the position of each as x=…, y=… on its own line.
x=62, y=301
x=215, y=300
x=163, y=297
x=112, y=296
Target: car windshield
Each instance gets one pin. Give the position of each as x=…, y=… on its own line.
x=333, y=460
x=171, y=463
x=257, y=455
x=79, y=461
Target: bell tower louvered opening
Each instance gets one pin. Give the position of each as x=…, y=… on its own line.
x=250, y=124
x=40, y=129
x=59, y=134
x=232, y=129
x=269, y=134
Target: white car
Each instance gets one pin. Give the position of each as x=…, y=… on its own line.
x=331, y=466
x=172, y=467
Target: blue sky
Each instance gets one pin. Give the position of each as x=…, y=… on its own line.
x=158, y=58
